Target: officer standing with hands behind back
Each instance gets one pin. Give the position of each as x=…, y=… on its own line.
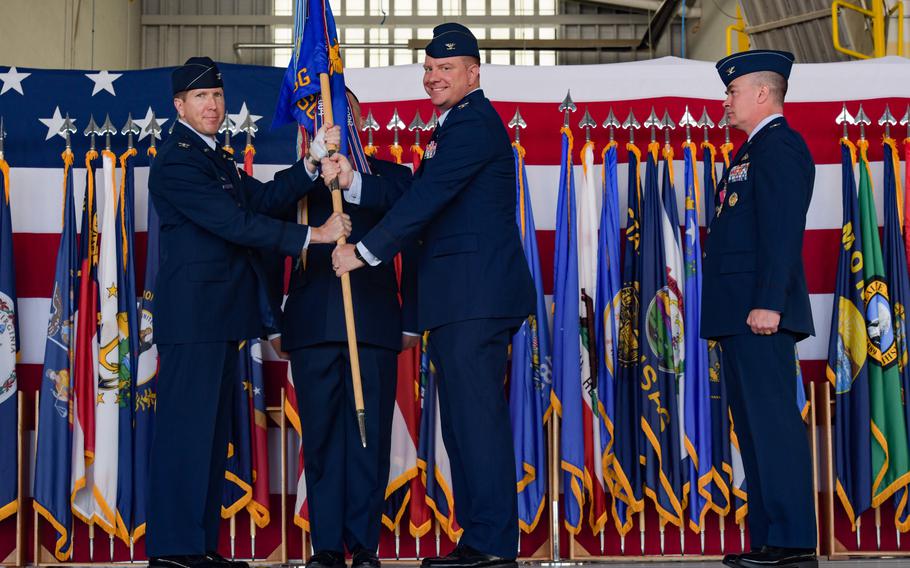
x=756, y=304
x=214, y=220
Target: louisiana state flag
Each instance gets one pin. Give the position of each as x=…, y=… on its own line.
x=658, y=395
x=316, y=51
x=626, y=471
x=530, y=386
x=53, y=458
x=567, y=397
x=9, y=349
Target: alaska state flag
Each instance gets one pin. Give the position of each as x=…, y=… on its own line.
x=9, y=349
x=530, y=383
x=847, y=369
x=53, y=458
x=317, y=51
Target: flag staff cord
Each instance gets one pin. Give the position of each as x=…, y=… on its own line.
x=345, y=278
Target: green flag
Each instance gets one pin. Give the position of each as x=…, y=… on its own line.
x=890, y=463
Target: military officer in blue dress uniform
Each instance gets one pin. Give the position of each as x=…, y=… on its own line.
x=474, y=290
x=214, y=220
x=346, y=482
x=756, y=304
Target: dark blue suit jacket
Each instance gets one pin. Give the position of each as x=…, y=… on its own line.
x=462, y=201
x=213, y=218
x=753, y=254
x=314, y=311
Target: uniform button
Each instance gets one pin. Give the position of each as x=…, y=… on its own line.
x=708, y=231
x=704, y=254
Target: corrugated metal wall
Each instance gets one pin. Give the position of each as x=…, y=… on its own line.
x=165, y=45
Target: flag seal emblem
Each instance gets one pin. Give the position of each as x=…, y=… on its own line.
x=7, y=348
x=881, y=345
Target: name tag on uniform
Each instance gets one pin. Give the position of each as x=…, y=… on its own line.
x=739, y=173
x=430, y=151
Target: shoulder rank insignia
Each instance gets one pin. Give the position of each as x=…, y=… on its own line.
x=745, y=156
x=430, y=151
x=184, y=145
x=775, y=125
x=464, y=104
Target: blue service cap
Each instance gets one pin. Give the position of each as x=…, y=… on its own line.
x=746, y=62
x=196, y=73
x=452, y=40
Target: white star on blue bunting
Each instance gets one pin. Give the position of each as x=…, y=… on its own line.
x=104, y=81
x=12, y=79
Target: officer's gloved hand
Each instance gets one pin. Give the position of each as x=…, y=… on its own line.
x=326, y=137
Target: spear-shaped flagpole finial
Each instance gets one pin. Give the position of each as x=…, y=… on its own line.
x=667, y=124
x=153, y=128
x=653, y=123
x=611, y=122
x=395, y=125
x=91, y=131
x=567, y=107
x=130, y=129
x=517, y=123
x=416, y=126
x=227, y=126
x=862, y=119
x=108, y=129
x=249, y=127
x=433, y=122
x=369, y=125
x=725, y=124
x=905, y=121
x=68, y=129
x=705, y=122
x=587, y=122
x=887, y=119
x=688, y=121
x=631, y=124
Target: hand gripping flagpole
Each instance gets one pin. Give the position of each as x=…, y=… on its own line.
x=326, y=91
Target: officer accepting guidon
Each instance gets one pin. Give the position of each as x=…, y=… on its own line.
x=474, y=290
x=214, y=223
x=756, y=304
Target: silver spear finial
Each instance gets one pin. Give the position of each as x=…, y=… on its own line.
x=631, y=124
x=68, y=129
x=587, y=122
x=517, y=123
x=249, y=127
x=705, y=122
x=416, y=126
x=725, y=124
x=227, y=126
x=91, y=131
x=130, y=129
x=905, y=120
x=653, y=123
x=611, y=122
x=862, y=119
x=108, y=129
x=887, y=119
x=369, y=125
x=567, y=107
x=688, y=121
x=395, y=125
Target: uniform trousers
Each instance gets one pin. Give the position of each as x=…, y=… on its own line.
x=470, y=359
x=345, y=482
x=759, y=373
x=189, y=447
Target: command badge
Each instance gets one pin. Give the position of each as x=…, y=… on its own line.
x=733, y=199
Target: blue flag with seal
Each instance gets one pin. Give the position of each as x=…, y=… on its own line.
x=53, y=459
x=894, y=254
x=316, y=51
x=530, y=382
x=661, y=450
x=128, y=346
x=9, y=351
x=626, y=470
x=567, y=395
x=697, y=405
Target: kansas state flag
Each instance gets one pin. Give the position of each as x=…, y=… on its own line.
x=9, y=348
x=317, y=51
